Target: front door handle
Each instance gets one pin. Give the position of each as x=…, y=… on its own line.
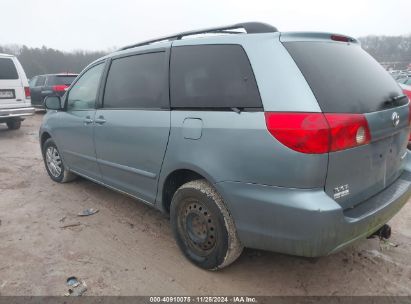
x=88, y=120
x=100, y=120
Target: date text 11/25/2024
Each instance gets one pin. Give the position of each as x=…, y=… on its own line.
x=203, y=299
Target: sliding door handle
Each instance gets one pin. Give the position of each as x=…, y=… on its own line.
x=100, y=120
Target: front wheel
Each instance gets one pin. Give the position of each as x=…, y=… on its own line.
x=54, y=163
x=203, y=227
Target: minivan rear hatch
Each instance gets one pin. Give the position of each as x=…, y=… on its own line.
x=347, y=80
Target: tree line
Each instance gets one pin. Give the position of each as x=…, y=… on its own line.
x=37, y=61
x=391, y=51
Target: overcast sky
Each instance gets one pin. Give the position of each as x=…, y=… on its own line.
x=101, y=24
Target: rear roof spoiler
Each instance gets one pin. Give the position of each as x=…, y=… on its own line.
x=315, y=36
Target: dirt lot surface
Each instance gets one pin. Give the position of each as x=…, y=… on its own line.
x=127, y=247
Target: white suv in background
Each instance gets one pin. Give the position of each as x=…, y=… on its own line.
x=15, y=102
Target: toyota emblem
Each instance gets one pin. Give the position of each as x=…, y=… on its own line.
x=395, y=119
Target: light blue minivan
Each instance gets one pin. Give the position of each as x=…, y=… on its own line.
x=246, y=136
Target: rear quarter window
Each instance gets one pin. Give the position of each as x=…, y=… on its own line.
x=343, y=77
x=8, y=69
x=212, y=76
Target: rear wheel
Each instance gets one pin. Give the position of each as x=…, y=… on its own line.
x=203, y=227
x=14, y=124
x=54, y=163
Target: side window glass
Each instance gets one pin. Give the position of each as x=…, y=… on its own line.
x=136, y=82
x=41, y=80
x=82, y=95
x=212, y=76
x=33, y=81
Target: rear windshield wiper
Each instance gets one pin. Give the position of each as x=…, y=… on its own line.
x=394, y=101
x=236, y=109
x=399, y=97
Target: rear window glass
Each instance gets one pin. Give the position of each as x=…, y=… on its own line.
x=41, y=81
x=343, y=77
x=8, y=69
x=212, y=76
x=61, y=80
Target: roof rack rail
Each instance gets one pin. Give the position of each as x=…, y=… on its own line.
x=249, y=27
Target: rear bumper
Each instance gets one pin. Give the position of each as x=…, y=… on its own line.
x=307, y=222
x=16, y=112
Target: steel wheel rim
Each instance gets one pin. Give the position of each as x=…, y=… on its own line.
x=53, y=161
x=198, y=227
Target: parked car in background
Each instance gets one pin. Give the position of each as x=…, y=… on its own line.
x=407, y=91
x=405, y=80
x=397, y=74
x=15, y=103
x=42, y=86
x=246, y=140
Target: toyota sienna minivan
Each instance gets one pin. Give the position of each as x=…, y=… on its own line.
x=248, y=137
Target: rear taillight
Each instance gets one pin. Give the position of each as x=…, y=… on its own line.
x=347, y=131
x=27, y=92
x=317, y=133
x=59, y=88
x=302, y=132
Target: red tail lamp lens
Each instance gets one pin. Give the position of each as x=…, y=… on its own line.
x=317, y=133
x=347, y=131
x=302, y=132
x=27, y=92
x=59, y=88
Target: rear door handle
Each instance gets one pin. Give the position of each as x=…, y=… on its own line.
x=100, y=120
x=88, y=120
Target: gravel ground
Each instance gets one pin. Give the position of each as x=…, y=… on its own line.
x=127, y=247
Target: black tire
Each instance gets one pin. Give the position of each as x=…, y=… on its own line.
x=203, y=227
x=61, y=176
x=14, y=124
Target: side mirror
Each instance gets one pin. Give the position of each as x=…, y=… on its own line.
x=53, y=103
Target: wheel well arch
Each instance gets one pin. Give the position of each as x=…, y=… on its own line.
x=174, y=181
x=44, y=137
